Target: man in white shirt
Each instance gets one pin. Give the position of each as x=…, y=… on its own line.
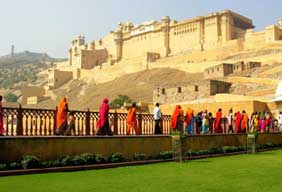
x=157, y=117
x=230, y=121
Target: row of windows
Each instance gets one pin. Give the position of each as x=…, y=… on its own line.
x=212, y=70
x=186, y=31
x=186, y=26
x=179, y=89
x=217, y=69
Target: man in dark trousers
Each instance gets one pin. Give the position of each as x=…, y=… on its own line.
x=157, y=117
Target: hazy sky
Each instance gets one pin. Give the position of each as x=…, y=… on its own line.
x=50, y=25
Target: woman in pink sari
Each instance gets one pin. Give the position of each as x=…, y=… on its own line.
x=217, y=122
x=267, y=122
x=1, y=117
x=103, y=122
x=262, y=122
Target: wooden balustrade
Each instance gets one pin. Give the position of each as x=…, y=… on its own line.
x=42, y=122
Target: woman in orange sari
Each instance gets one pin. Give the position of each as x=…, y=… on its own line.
x=244, y=122
x=131, y=120
x=62, y=117
x=176, y=119
x=217, y=122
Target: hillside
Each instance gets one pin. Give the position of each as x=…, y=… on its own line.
x=138, y=86
x=22, y=68
x=26, y=57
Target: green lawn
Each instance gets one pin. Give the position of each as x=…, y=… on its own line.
x=260, y=172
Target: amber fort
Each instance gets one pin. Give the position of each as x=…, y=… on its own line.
x=222, y=46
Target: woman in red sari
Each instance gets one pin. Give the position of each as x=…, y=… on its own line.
x=103, y=122
x=176, y=119
x=62, y=117
x=1, y=117
x=131, y=121
x=217, y=122
x=238, y=119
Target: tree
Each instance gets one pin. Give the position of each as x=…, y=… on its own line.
x=120, y=100
x=10, y=97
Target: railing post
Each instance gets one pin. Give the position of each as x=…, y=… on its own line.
x=20, y=121
x=161, y=124
x=87, y=131
x=225, y=128
x=115, y=123
x=55, y=120
x=140, y=116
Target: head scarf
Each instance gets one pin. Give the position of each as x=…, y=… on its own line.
x=189, y=116
x=177, y=112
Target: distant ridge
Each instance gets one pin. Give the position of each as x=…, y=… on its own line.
x=26, y=57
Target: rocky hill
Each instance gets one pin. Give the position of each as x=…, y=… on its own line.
x=26, y=57
x=22, y=68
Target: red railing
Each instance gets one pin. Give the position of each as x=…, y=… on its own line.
x=41, y=122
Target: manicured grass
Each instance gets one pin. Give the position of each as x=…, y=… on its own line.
x=260, y=172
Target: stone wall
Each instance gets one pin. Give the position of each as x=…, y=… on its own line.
x=188, y=91
x=202, y=142
x=56, y=78
x=218, y=71
x=50, y=148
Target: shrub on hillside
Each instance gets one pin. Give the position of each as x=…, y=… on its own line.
x=120, y=100
x=10, y=97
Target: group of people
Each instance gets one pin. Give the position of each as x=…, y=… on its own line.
x=204, y=123
x=201, y=123
x=65, y=121
x=186, y=122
